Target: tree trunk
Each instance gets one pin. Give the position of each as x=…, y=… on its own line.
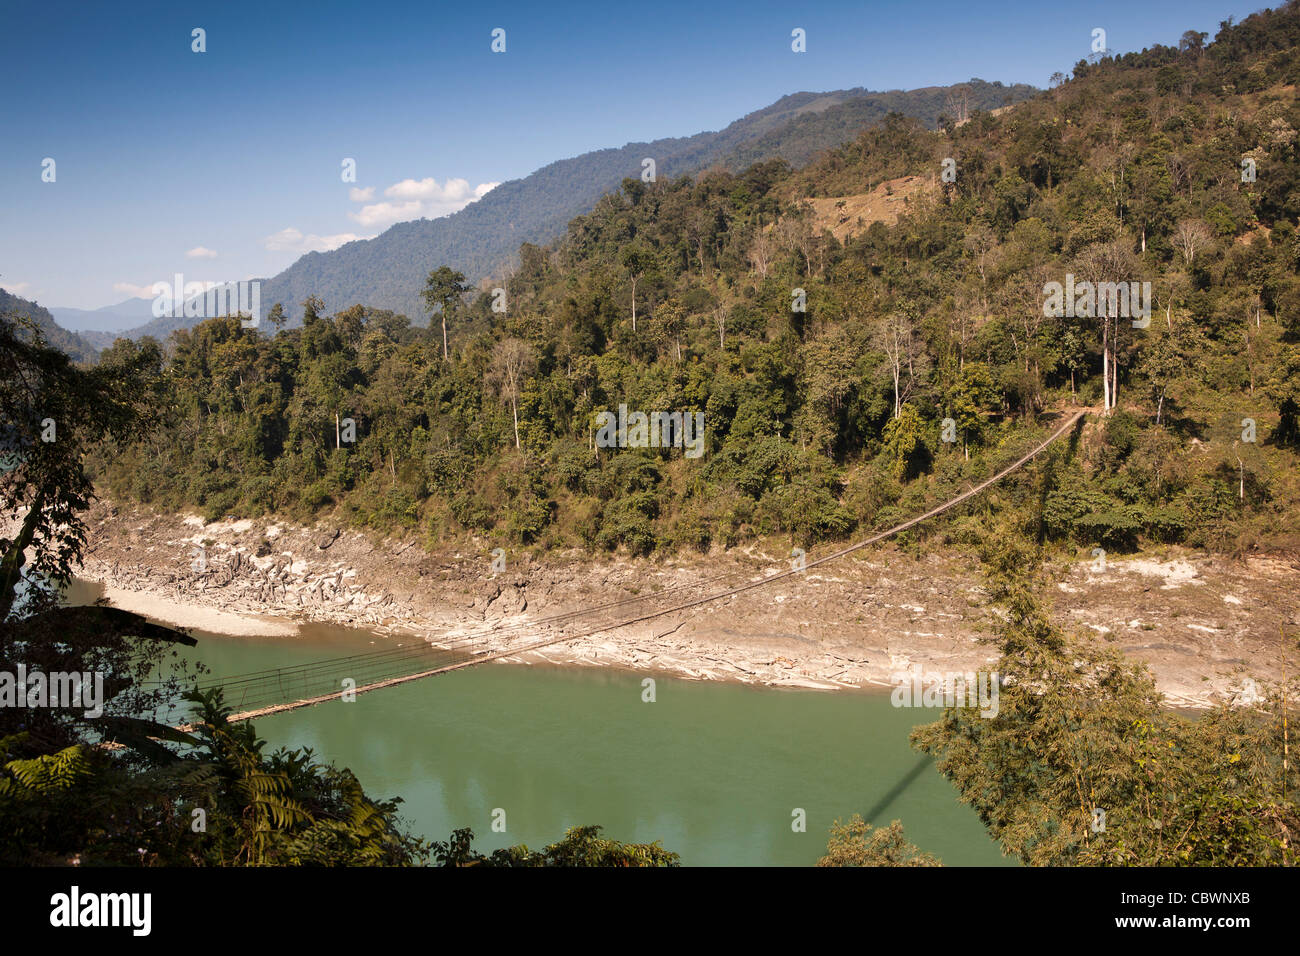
x=1114, y=369
x=445, y=357
x=11, y=563
x=1105, y=366
x=1250, y=359
x=514, y=411
x=1105, y=380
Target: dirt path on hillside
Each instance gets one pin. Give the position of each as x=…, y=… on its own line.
x=1204, y=624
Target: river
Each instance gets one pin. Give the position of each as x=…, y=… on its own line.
x=713, y=771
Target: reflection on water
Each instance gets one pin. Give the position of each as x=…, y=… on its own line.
x=713, y=771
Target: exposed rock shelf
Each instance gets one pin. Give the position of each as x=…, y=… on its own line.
x=1203, y=624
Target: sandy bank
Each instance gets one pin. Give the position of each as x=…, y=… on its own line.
x=188, y=614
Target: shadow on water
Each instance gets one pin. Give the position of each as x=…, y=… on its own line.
x=872, y=816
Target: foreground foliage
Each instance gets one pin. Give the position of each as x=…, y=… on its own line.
x=217, y=800
x=581, y=846
x=122, y=788
x=1082, y=729
x=858, y=843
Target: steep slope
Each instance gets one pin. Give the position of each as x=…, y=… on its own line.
x=77, y=348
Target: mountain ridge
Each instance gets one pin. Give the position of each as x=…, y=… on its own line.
x=387, y=272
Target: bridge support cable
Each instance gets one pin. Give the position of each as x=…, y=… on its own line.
x=372, y=671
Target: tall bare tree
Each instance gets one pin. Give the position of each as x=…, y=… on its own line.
x=512, y=362
x=1192, y=235
x=897, y=338
x=761, y=251
x=956, y=103
x=1107, y=262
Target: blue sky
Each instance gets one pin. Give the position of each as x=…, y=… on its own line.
x=226, y=164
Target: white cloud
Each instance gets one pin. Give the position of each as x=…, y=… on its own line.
x=418, y=198
x=17, y=288
x=361, y=195
x=293, y=240
x=384, y=213
x=201, y=252
x=135, y=291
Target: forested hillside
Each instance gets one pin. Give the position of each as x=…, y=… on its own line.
x=77, y=348
x=677, y=296
x=387, y=271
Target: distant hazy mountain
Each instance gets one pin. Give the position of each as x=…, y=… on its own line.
x=389, y=270
x=76, y=347
x=161, y=328
x=110, y=318
x=102, y=340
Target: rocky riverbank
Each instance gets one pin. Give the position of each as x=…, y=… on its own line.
x=1205, y=625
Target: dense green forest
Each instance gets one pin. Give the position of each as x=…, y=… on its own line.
x=677, y=296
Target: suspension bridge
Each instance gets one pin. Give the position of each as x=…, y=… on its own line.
x=273, y=691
